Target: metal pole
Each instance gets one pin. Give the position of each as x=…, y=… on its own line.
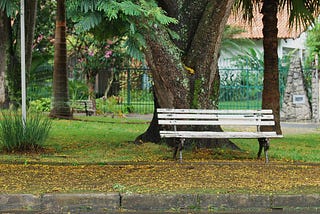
x=23, y=63
x=128, y=87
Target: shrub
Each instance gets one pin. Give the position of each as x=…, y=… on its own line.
x=15, y=136
x=43, y=104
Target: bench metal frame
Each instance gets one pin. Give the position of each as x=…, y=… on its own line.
x=83, y=106
x=178, y=119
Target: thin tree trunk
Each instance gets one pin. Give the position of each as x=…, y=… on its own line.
x=270, y=95
x=91, y=83
x=4, y=44
x=61, y=107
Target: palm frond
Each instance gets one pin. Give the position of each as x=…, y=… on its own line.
x=91, y=20
x=9, y=6
x=246, y=8
x=302, y=13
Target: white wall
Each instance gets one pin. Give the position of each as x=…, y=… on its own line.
x=285, y=46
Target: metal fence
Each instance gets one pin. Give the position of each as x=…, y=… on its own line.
x=241, y=85
x=131, y=91
x=240, y=88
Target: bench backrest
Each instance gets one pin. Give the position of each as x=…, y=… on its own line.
x=177, y=117
x=83, y=103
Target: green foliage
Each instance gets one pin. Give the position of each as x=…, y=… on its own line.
x=313, y=41
x=40, y=105
x=9, y=6
x=45, y=25
x=40, y=75
x=230, y=44
x=108, y=105
x=15, y=136
x=123, y=19
x=78, y=90
x=251, y=58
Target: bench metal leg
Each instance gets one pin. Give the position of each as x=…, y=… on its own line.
x=264, y=144
x=180, y=148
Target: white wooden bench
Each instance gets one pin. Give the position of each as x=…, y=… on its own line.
x=179, y=123
x=83, y=106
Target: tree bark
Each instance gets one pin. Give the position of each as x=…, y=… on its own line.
x=61, y=107
x=4, y=44
x=185, y=71
x=270, y=94
x=13, y=75
x=30, y=20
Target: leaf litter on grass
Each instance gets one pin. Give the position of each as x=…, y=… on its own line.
x=162, y=177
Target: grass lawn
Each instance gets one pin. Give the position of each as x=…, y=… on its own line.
x=97, y=154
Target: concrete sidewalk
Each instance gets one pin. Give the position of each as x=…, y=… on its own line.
x=149, y=203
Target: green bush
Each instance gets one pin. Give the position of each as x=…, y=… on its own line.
x=42, y=105
x=15, y=136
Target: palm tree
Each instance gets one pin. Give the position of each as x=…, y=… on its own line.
x=301, y=14
x=61, y=107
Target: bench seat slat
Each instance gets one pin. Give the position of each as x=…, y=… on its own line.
x=215, y=116
x=197, y=111
x=218, y=135
x=217, y=122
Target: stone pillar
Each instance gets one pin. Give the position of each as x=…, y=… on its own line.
x=296, y=106
x=315, y=95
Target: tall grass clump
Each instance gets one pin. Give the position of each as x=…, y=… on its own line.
x=15, y=136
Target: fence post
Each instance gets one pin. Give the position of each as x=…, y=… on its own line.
x=128, y=87
x=247, y=83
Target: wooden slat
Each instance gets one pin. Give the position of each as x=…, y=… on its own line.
x=215, y=116
x=218, y=135
x=164, y=110
x=180, y=117
x=217, y=122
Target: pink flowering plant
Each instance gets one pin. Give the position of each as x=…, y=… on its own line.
x=94, y=57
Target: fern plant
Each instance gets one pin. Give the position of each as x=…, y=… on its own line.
x=126, y=19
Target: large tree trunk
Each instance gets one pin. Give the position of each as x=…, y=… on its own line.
x=4, y=44
x=270, y=95
x=189, y=79
x=13, y=74
x=61, y=107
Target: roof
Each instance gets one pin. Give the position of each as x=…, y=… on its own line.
x=254, y=29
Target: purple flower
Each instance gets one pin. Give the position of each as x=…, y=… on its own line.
x=91, y=53
x=108, y=54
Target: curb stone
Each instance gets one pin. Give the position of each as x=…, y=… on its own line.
x=111, y=202
x=60, y=203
